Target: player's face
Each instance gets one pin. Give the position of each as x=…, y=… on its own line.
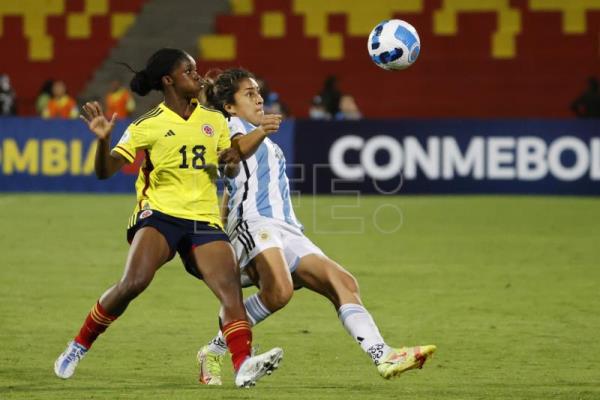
x=186, y=79
x=248, y=102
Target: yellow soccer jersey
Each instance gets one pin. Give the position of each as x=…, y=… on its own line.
x=174, y=178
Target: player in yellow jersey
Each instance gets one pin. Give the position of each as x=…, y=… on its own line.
x=177, y=207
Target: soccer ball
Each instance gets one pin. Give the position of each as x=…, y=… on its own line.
x=394, y=44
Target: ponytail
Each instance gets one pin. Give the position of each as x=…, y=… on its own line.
x=159, y=64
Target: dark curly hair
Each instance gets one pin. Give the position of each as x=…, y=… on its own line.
x=221, y=86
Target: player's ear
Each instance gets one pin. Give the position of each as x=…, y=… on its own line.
x=230, y=108
x=167, y=80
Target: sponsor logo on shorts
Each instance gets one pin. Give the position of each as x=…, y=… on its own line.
x=145, y=214
x=208, y=130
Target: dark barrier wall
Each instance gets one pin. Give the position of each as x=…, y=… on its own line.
x=55, y=156
x=449, y=156
x=393, y=156
x=58, y=156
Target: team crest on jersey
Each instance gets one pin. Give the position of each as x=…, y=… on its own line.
x=263, y=236
x=145, y=214
x=208, y=130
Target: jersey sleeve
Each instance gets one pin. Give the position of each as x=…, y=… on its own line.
x=134, y=138
x=224, y=137
x=236, y=127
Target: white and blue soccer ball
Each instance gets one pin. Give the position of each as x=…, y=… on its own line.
x=394, y=44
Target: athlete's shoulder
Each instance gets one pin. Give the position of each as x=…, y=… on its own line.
x=148, y=117
x=214, y=116
x=239, y=125
x=204, y=108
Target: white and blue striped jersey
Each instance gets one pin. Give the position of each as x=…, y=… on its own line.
x=261, y=189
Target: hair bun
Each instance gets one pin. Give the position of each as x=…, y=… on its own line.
x=141, y=83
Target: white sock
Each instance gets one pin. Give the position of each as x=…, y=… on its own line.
x=217, y=344
x=360, y=325
x=256, y=312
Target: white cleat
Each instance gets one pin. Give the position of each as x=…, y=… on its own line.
x=65, y=364
x=258, y=366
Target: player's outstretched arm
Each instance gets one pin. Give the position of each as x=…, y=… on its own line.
x=248, y=144
x=106, y=163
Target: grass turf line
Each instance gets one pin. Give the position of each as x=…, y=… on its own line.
x=507, y=287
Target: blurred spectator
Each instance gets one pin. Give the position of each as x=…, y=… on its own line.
x=44, y=96
x=331, y=95
x=61, y=105
x=317, y=109
x=588, y=104
x=272, y=103
x=8, y=98
x=119, y=100
x=348, y=109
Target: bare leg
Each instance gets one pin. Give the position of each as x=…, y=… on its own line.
x=270, y=273
x=217, y=264
x=274, y=279
x=149, y=251
x=326, y=277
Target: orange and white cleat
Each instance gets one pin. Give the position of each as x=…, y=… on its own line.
x=404, y=359
x=210, y=367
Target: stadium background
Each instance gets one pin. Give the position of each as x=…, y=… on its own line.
x=505, y=285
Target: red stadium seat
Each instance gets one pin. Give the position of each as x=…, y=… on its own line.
x=482, y=59
x=58, y=39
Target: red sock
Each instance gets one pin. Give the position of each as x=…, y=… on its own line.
x=238, y=337
x=95, y=323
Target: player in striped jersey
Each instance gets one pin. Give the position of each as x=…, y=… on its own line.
x=176, y=210
x=269, y=242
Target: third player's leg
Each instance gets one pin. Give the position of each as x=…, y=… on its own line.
x=217, y=263
x=148, y=252
x=326, y=277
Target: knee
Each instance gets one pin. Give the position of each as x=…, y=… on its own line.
x=277, y=296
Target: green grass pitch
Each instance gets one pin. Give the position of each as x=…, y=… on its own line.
x=506, y=287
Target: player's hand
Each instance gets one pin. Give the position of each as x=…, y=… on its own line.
x=270, y=123
x=96, y=121
x=229, y=156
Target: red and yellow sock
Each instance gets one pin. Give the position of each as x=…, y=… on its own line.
x=238, y=337
x=95, y=323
